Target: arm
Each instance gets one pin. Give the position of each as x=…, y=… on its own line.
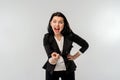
x=47, y=46
x=73, y=57
x=81, y=42
x=53, y=56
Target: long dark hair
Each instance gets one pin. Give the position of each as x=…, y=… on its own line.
x=66, y=30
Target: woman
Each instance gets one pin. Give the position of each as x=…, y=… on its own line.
x=58, y=43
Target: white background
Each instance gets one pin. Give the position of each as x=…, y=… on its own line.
x=23, y=24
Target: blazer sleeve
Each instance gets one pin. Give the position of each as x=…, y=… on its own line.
x=81, y=42
x=47, y=46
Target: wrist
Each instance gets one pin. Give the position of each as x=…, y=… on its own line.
x=79, y=52
x=76, y=55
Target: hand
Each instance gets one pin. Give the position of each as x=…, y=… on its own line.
x=70, y=57
x=73, y=57
x=55, y=55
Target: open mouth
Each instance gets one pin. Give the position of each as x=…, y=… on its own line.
x=56, y=29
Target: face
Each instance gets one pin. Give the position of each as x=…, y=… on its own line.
x=57, y=24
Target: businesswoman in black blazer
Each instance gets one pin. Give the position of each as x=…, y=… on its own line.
x=58, y=44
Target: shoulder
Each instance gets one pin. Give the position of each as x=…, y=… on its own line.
x=46, y=34
x=48, y=37
x=74, y=37
x=71, y=35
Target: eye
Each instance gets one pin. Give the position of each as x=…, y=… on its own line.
x=61, y=22
x=54, y=21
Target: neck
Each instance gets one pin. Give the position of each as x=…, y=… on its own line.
x=58, y=36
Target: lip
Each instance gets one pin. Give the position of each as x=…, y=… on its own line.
x=56, y=29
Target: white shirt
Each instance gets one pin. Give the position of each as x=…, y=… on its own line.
x=60, y=65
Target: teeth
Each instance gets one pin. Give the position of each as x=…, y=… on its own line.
x=56, y=29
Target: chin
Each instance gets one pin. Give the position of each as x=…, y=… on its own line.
x=57, y=33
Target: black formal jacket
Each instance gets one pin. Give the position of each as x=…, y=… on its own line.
x=50, y=46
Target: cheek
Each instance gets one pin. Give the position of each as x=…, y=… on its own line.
x=62, y=28
x=52, y=25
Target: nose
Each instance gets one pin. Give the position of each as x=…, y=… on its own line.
x=57, y=24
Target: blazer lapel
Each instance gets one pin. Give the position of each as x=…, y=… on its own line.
x=67, y=46
x=56, y=48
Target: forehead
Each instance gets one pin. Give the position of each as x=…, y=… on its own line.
x=57, y=18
